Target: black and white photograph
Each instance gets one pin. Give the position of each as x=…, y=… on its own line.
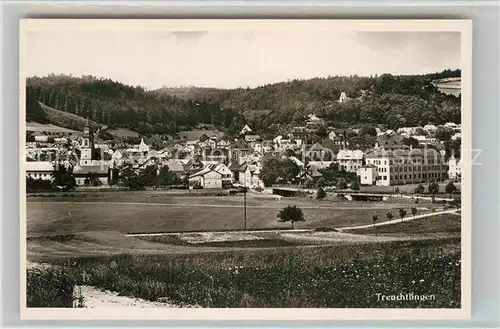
x=188, y=166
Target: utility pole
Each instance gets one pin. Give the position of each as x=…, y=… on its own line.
x=245, y=205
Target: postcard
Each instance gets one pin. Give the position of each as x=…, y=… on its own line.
x=245, y=169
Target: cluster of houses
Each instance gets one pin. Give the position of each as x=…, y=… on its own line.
x=215, y=162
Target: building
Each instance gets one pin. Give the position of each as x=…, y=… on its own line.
x=90, y=167
x=206, y=178
x=368, y=174
x=343, y=97
x=456, y=136
x=39, y=170
x=454, y=168
x=317, y=152
x=425, y=140
x=332, y=135
x=298, y=162
x=405, y=166
x=314, y=120
x=351, y=161
x=246, y=174
x=240, y=151
x=85, y=174
x=251, y=138
x=245, y=130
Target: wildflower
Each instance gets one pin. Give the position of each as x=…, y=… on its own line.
x=413, y=281
x=421, y=280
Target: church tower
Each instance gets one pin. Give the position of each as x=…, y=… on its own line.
x=87, y=146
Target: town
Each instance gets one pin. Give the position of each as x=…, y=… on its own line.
x=409, y=155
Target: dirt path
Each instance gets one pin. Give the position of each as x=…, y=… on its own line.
x=95, y=298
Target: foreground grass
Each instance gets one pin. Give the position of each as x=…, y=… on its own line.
x=49, y=287
x=335, y=276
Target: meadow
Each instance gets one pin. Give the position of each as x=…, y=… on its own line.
x=146, y=212
x=331, y=276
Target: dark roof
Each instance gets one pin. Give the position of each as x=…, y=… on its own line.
x=240, y=144
x=234, y=165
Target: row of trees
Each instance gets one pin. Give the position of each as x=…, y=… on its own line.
x=433, y=188
x=390, y=216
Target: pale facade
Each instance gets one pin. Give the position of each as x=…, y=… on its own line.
x=399, y=167
x=351, y=161
x=368, y=175
x=454, y=168
x=39, y=170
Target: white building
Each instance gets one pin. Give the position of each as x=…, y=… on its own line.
x=423, y=140
x=332, y=135
x=343, y=97
x=89, y=166
x=350, y=160
x=454, y=168
x=404, y=166
x=39, y=170
x=245, y=130
x=368, y=174
x=430, y=128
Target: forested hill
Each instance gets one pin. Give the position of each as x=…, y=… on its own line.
x=394, y=101
x=120, y=106
x=391, y=100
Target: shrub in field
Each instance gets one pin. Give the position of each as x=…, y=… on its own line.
x=433, y=188
x=321, y=194
x=355, y=185
x=389, y=215
x=374, y=219
x=402, y=214
x=414, y=211
x=51, y=287
x=450, y=188
x=291, y=214
x=419, y=189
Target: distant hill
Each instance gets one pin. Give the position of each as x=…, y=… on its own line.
x=393, y=101
x=67, y=120
x=120, y=106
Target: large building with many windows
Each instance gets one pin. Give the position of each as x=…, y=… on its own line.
x=407, y=166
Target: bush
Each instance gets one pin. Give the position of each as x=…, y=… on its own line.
x=321, y=194
x=51, y=287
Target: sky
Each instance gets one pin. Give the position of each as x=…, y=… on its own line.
x=232, y=59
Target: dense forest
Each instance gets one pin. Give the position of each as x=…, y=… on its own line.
x=393, y=101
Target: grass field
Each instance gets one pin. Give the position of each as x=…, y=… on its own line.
x=447, y=223
x=335, y=276
x=409, y=188
x=83, y=239
x=157, y=212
